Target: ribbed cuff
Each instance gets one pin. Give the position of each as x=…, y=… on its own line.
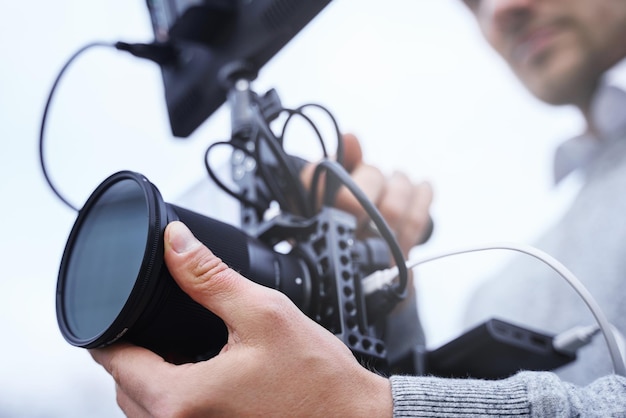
x=436, y=397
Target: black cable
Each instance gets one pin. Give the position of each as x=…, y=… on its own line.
x=45, y=117
x=297, y=112
x=157, y=52
x=293, y=176
x=339, y=153
x=275, y=145
x=269, y=178
x=332, y=185
x=399, y=290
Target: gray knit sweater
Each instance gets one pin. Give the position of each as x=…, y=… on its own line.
x=527, y=394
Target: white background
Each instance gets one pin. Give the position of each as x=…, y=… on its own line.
x=412, y=78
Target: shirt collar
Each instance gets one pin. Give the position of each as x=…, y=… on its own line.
x=609, y=117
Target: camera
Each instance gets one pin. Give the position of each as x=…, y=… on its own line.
x=113, y=284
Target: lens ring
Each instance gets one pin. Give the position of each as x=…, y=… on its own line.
x=112, y=260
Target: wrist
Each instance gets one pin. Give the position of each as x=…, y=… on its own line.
x=374, y=398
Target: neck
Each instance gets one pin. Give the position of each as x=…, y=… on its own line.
x=584, y=105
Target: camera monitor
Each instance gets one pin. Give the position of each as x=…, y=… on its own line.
x=215, y=42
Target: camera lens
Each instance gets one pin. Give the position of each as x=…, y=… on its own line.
x=112, y=261
x=106, y=259
x=113, y=282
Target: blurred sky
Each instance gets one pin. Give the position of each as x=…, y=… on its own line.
x=412, y=78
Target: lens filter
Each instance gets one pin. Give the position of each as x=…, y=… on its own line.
x=108, y=261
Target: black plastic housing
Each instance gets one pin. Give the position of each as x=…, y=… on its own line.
x=495, y=349
x=217, y=43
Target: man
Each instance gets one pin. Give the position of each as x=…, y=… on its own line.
x=277, y=362
x=569, y=52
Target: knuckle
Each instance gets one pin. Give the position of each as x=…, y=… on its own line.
x=424, y=191
x=391, y=211
x=375, y=176
x=277, y=308
x=417, y=221
x=210, y=271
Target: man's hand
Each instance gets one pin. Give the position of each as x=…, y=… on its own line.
x=404, y=205
x=277, y=361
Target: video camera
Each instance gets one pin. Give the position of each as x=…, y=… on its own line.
x=113, y=283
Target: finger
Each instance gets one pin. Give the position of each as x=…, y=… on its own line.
x=367, y=177
x=141, y=374
x=352, y=158
x=394, y=206
x=396, y=200
x=419, y=218
x=352, y=152
x=417, y=224
x=371, y=181
x=207, y=279
x=405, y=206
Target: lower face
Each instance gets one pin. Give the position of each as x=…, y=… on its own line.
x=558, y=48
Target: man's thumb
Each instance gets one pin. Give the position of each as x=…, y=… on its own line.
x=203, y=275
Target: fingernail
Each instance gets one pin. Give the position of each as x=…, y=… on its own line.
x=180, y=238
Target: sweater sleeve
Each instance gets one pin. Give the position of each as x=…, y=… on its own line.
x=527, y=394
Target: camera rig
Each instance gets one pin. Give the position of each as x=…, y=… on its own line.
x=215, y=51
x=210, y=51
x=324, y=236
x=225, y=44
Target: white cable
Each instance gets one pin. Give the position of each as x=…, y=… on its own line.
x=621, y=341
x=384, y=277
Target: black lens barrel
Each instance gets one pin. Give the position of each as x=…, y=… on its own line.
x=156, y=313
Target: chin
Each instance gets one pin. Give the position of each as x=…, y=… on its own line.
x=561, y=83
x=555, y=91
